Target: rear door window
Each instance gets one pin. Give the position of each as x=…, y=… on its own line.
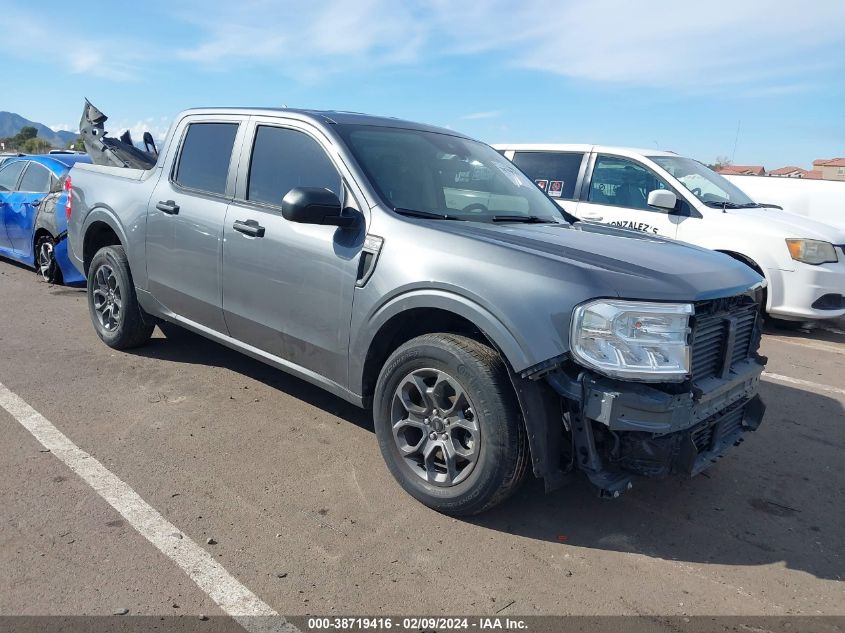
x=283, y=159
x=36, y=179
x=9, y=175
x=205, y=157
x=554, y=172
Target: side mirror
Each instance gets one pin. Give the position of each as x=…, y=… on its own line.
x=312, y=205
x=662, y=199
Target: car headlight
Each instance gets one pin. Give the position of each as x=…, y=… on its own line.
x=812, y=251
x=632, y=339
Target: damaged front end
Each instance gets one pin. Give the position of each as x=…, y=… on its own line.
x=614, y=430
x=104, y=150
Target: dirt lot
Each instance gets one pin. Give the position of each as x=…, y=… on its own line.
x=289, y=483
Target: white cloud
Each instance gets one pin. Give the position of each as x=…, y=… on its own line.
x=492, y=114
x=137, y=129
x=61, y=127
x=105, y=57
x=663, y=43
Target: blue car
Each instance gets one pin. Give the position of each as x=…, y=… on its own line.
x=34, y=212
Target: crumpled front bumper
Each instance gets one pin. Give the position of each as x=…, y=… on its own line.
x=621, y=430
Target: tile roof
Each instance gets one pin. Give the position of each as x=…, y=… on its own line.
x=782, y=171
x=829, y=162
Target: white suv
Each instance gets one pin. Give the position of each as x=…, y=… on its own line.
x=665, y=194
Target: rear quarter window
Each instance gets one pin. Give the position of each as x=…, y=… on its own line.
x=205, y=157
x=36, y=179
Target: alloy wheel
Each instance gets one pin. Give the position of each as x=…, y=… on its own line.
x=45, y=260
x=108, y=302
x=435, y=427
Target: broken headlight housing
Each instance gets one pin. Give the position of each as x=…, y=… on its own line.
x=633, y=340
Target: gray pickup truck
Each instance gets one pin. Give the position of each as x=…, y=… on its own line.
x=417, y=271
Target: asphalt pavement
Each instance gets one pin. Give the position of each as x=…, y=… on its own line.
x=280, y=487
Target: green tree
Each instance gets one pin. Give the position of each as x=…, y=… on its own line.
x=26, y=133
x=77, y=145
x=36, y=146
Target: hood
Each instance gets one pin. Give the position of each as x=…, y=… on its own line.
x=635, y=265
x=791, y=225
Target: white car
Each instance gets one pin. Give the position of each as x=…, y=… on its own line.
x=665, y=194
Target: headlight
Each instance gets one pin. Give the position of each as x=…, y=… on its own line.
x=632, y=339
x=812, y=251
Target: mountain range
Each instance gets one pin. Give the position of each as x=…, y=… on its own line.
x=11, y=124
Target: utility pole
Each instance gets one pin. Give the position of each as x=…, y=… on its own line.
x=736, y=140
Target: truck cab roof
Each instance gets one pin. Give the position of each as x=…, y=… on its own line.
x=324, y=117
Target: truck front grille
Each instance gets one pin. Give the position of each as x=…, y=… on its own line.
x=722, y=328
x=718, y=428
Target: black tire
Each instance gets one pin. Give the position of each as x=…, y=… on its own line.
x=46, y=267
x=502, y=456
x=109, y=276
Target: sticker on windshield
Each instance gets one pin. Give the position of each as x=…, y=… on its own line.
x=542, y=184
x=556, y=188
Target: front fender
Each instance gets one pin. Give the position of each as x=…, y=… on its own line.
x=492, y=327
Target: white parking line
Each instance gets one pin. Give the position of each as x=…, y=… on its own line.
x=814, y=386
x=834, y=348
x=233, y=598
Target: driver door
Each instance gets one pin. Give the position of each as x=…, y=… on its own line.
x=618, y=195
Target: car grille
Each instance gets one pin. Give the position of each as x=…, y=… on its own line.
x=722, y=327
x=720, y=427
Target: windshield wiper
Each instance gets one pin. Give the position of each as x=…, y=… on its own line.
x=524, y=219
x=724, y=204
x=416, y=213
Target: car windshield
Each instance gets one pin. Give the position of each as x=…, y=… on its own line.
x=704, y=183
x=439, y=176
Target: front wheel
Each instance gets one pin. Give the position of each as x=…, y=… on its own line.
x=112, y=302
x=448, y=424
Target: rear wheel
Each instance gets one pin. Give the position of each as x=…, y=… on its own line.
x=45, y=262
x=112, y=302
x=448, y=424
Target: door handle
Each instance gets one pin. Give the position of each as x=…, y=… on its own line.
x=249, y=227
x=168, y=206
x=36, y=203
x=593, y=216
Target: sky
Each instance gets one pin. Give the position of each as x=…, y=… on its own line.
x=756, y=81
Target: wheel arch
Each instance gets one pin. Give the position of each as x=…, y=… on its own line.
x=424, y=312
x=100, y=230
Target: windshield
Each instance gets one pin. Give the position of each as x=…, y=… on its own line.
x=704, y=183
x=435, y=175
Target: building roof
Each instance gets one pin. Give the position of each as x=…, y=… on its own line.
x=815, y=174
x=790, y=169
x=829, y=162
x=742, y=170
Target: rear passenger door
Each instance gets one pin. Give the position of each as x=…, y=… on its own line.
x=185, y=220
x=556, y=173
x=287, y=287
x=618, y=194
